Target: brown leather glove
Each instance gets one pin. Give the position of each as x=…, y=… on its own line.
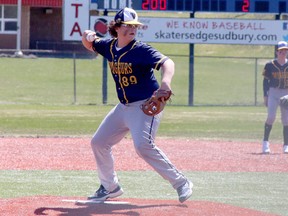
x=156, y=103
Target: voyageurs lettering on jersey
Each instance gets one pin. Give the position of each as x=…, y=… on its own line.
x=134, y=77
x=276, y=76
x=120, y=68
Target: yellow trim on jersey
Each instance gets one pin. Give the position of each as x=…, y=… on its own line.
x=273, y=62
x=160, y=61
x=111, y=47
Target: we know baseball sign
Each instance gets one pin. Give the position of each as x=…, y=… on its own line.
x=204, y=31
x=177, y=30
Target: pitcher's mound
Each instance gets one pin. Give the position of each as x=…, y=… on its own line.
x=77, y=206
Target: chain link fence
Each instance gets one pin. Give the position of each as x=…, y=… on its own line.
x=76, y=78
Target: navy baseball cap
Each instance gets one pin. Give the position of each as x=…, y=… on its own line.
x=282, y=45
x=127, y=16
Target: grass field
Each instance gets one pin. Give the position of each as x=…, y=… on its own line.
x=217, y=80
x=222, y=123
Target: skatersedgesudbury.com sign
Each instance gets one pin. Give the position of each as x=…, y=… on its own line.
x=203, y=31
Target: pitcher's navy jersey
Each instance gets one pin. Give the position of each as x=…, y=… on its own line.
x=132, y=68
x=275, y=76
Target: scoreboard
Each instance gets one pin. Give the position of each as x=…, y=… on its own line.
x=245, y=6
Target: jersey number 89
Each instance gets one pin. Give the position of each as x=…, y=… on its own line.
x=127, y=81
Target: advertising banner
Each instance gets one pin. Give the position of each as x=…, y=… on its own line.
x=203, y=31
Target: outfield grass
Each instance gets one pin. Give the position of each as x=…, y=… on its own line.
x=221, y=123
x=217, y=80
x=37, y=96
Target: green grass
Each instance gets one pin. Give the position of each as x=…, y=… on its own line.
x=226, y=123
x=256, y=191
x=217, y=81
x=212, y=122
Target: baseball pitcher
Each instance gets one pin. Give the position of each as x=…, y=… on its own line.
x=141, y=102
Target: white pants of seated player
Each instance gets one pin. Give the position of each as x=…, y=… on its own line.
x=274, y=96
x=119, y=121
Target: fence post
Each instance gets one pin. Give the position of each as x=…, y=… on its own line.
x=104, y=82
x=74, y=76
x=104, y=78
x=191, y=71
x=256, y=83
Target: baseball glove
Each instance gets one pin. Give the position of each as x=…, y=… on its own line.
x=156, y=103
x=284, y=101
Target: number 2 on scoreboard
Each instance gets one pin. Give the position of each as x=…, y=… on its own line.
x=246, y=5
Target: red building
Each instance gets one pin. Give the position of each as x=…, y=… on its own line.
x=41, y=25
